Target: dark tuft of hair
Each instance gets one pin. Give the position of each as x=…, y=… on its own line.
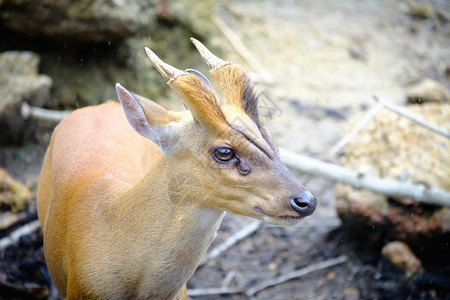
x=250, y=100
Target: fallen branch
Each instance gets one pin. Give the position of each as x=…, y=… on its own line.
x=226, y=281
x=213, y=291
x=344, y=141
x=418, y=192
x=298, y=273
x=403, y=112
x=42, y=113
x=14, y=236
x=246, y=54
x=230, y=241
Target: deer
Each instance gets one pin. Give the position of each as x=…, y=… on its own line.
x=130, y=195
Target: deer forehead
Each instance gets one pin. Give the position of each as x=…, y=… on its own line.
x=236, y=117
x=239, y=131
x=244, y=130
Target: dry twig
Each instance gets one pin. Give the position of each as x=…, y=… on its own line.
x=403, y=112
x=283, y=278
x=226, y=281
x=42, y=113
x=344, y=141
x=213, y=291
x=298, y=273
x=14, y=236
x=229, y=242
x=418, y=192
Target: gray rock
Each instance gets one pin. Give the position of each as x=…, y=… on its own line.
x=86, y=20
x=85, y=74
x=401, y=256
x=19, y=82
x=393, y=147
x=14, y=195
x=428, y=90
x=91, y=81
x=96, y=21
x=197, y=15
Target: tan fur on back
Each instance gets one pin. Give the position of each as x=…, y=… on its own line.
x=122, y=153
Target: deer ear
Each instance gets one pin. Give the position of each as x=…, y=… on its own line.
x=145, y=116
x=202, y=78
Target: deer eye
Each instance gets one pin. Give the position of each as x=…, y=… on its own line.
x=224, y=154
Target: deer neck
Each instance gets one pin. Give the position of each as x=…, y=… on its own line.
x=178, y=231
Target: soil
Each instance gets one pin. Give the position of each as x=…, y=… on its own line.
x=327, y=60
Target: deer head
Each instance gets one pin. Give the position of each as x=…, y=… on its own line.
x=220, y=156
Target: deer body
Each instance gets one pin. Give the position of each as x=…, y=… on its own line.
x=127, y=212
x=114, y=218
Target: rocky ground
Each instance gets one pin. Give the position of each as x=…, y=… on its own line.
x=327, y=60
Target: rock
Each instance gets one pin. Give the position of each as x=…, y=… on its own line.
x=85, y=74
x=351, y=294
x=421, y=10
x=14, y=196
x=401, y=256
x=97, y=21
x=90, y=82
x=86, y=21
x=196, y=15
x=7, y=218
x=19, y=82
x=428, y=90
x=393, y=147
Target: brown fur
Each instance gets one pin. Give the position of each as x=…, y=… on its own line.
x=239, y=92
x=200, y=100
x=125, y=217
x=237, y=88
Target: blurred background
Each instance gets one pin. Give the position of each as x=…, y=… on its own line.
x=317, y=66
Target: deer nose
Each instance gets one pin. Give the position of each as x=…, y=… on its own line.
x=305, y=205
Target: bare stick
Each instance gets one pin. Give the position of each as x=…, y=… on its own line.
x=344, y=141
x=298, y=273
x=226, y=281
x=42, y=113
x=213, y=291
x=418, y=192
x=246, y=54
x=230, y=241
x=19, y=232
x=401, y=111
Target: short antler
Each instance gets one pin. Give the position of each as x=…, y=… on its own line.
x=211, y=60
x=129, y=216
x=167, y=71
x=232, y=80
x=236, y=87
x=200, y=98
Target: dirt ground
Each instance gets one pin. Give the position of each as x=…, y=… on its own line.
x=327, y=60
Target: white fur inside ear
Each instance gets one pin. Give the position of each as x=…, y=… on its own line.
x=135, y=114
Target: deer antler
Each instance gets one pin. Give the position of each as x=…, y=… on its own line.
x=167, y=71
x=198, y=97
x=211, y=60
x=232, y=80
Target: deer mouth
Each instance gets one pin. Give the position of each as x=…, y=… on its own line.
x=285, y=220
x=292, y=217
